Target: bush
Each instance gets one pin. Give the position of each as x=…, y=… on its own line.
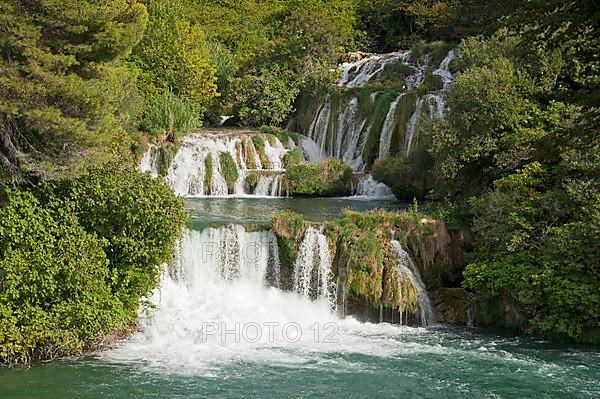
x=407, y=177
x=139, y=217
x=294, y=157
x=171, y=116
x=328, y=178
x=76, y=257
x=55, y=298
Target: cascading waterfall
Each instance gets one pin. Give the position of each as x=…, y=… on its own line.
x=359, y=73
x=369, y=188
x=199, y=154
x=229, y=253
x=270, y=185
x=385, y=138
x=406, y=268
x=338, y=129
x=312, y=268
x=149, y=161
x=221, y=308
x=412, y=126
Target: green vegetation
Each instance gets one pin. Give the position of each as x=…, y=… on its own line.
x=76, y=258
x=174, y=65
x=259, y=146
x=252, y=180
x=288, y=227
x=65, y=96
x=516, y=162
x=208, y=173
x=166, y=154
x=293, y=157
x=83, y=235
x=328, y=178
x=169, y=116
x=228, y=169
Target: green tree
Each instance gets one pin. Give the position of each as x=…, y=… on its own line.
x=173, y=57
x=139, y=217
x=267, y=97
x=64, y=95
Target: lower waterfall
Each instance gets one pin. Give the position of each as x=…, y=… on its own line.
x=219, y=304
x=312, y=278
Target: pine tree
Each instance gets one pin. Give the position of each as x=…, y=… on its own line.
x=64, y=95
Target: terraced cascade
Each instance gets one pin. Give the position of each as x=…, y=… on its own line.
x=376, y=108
x=228, y=162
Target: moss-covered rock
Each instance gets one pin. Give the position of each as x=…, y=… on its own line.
x=328, y=178
x=249, y=153
x=251, y=180
x=453, y=305
x=208, y=172
x=228, y=169
x=259, y=145
x=166, y=154
x=288, y=226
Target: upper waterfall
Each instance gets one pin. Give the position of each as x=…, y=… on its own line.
x=377, y=106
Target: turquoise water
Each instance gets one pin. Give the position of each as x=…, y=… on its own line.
x=168, y=357
x=441, y=363
x=250, y=210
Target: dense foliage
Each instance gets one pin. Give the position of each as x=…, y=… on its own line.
x=65, y=97
x=75, y=259
x=517, y=157
x=82, y=236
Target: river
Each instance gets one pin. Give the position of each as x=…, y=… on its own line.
x=239, y=336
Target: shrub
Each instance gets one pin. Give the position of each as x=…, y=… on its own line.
x=169, y=115
x=266, y=97
x=55, y=299
x=294, y=157
x=328, y=178
x=139, y=217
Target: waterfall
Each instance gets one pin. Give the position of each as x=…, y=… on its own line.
x=149, y=161
x=406, y=268
x=412, y=126
x=359, y=73
x=388, y=128
x=342, y=136
x=368, y=187
x=340, y=129
x=443, y=71
x=199, y=154
x=229, y=253
x=312, y=268
x=270, y=186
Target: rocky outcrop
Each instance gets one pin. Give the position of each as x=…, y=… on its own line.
x=386, y=265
